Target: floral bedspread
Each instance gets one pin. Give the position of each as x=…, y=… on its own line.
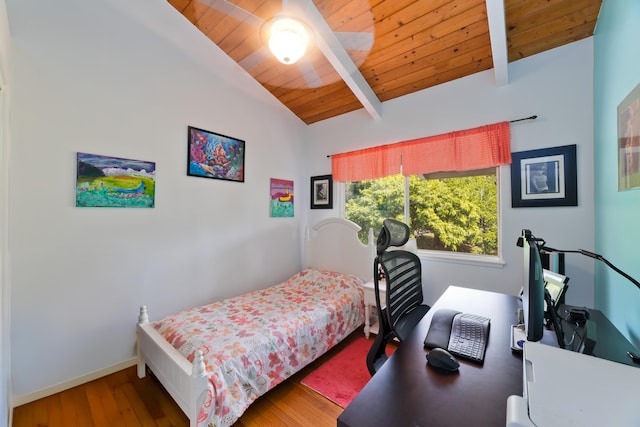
x=253, y=342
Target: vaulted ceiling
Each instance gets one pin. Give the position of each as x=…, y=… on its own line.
x=366, y=52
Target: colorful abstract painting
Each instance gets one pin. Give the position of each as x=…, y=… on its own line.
x=112, y=182
x=212, y=155
x=281, y=198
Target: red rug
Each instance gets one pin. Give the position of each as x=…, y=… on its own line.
x=342, y=377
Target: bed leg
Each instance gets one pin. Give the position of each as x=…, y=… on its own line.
x=199, y=386
x=143, y=317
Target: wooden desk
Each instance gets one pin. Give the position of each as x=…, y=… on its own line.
x=407, y=392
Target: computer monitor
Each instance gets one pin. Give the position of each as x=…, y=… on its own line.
x=533, y=288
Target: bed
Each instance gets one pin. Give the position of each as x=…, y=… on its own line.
x=216, y=359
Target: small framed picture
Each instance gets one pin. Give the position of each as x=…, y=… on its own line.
x=281, y=197
x=629, y=141
x=322, y=192
x=216, y=156
x=544, y=177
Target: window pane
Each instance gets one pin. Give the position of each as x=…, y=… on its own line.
x=455, y=214
x=368, y=203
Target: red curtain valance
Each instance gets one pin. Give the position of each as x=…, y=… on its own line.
x=369, y=163
x=478, y=148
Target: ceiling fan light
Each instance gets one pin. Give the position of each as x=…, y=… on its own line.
x=288, y=40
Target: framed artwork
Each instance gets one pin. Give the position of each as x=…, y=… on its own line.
x=113, y=182
x=281, y=197
x=212, y=155
x=322, y=192
x=629, y=141
x=545, y=177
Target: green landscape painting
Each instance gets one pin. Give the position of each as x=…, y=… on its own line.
x=112, y=182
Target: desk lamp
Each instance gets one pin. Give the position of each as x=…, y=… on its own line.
x=594, y=256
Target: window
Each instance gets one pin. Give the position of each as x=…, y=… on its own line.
x=453, y=212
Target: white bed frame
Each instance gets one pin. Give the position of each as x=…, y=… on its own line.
x=335, y=247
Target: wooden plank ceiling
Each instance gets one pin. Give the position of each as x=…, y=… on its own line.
x=417, y=44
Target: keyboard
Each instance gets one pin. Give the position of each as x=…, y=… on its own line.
x=462, y=334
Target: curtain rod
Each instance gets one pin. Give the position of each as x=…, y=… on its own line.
x=511, y=121
x=524, y=118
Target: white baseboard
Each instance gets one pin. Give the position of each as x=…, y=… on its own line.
x=39, y=394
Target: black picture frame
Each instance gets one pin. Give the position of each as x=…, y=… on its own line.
x=213, y=155
x=544, y=177
x=321, y=192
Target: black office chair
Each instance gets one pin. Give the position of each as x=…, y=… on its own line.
x=403, y=308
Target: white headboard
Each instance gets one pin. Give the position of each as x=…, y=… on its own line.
x=334, y=246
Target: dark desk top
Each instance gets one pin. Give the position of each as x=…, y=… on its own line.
x=407, y=392
x=610, y=343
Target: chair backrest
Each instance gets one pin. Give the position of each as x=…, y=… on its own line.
x=403, y=308
x=403, y=274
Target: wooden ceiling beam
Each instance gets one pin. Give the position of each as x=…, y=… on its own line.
x=498, y=35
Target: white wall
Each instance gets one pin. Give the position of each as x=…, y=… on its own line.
x=125, y=78
x=556, y=86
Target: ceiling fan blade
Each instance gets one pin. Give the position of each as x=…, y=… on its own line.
x=255, y=58
x=355, y=41
x=309, y=74
x=234, y=11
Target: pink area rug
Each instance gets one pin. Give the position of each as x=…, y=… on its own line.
x=342, y=377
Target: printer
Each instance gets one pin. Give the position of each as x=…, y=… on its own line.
x=564, y=388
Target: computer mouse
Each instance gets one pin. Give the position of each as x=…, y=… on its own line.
x=442, y=359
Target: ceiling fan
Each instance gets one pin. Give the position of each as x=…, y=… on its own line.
x=328, y=53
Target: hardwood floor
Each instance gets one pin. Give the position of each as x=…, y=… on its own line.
x=123, y=399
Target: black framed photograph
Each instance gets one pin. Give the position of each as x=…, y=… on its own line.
x=322, y=192
x=213, y=155
x=544, y=177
